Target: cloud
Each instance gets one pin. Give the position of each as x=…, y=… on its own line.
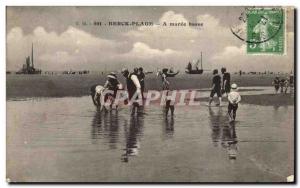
x=164, y=37
x=236, y=58
x=77, y=49
x=213, y=22
x=188, y=41
x=143, y=51
x=70, y=49
x=154, y=46
x=150, y=58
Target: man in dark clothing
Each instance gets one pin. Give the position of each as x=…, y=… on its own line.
x=276, y=84
x=216, y=88
x=133, y=89
x=226, y=81
x=141, y=77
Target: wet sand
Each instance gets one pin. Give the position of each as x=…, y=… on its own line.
x=67, y=139
x=53, y=137
x=263, y=99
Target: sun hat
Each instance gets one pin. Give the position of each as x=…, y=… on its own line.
x=233, y=86
x=124, y=70
x=112, y=75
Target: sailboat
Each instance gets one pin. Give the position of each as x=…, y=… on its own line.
x=189, y=69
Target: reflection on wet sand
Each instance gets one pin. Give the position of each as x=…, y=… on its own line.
x=229, y=140
x=97, y=128
x=133, y=134
x=106, y=125
x=169, y=126
x=91, y=146
x=276, y=107
x=223, y=132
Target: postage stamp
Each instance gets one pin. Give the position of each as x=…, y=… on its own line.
x=266, y=31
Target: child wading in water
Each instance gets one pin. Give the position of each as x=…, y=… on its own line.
x=233, y=99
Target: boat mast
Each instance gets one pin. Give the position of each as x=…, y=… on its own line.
x=32, y=55
x=201, y=60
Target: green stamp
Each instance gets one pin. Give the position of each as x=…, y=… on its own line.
x=265, y=31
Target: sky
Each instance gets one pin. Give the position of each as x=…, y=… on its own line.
x=62, y=42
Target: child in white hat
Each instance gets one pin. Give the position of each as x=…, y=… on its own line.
x=233, y=99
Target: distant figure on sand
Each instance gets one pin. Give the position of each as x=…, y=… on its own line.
x=284, y=84
x=226, y=81
x=233, y=99
x=216, y=88
x=276, y=83
x=133, y=88
x=291, y=83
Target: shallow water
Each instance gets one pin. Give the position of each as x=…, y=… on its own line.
x=67, y=139
x=258, y=90
x=199, y=93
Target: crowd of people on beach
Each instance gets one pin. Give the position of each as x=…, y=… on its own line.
x=135, y=86
x=222, y=86
x=283, y=84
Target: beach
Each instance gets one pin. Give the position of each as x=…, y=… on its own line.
x=55, y=134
